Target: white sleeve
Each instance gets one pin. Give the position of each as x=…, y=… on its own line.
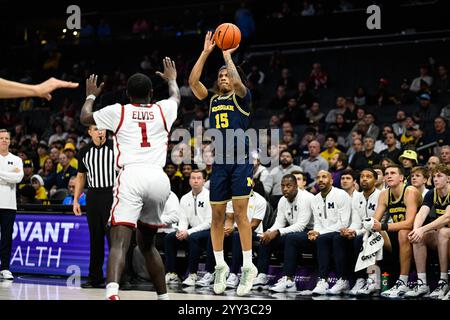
x=169, y=109
x=183, y=224
x=344, y=210
x=13, y=177
x=318, y=225
x=206, y=223
x=304, y=216
x=356, y=222
x=280, y=221
x=172, y=210
x=108, y=117
x=260, y=208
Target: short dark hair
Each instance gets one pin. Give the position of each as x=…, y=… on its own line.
x=305, y=178
x=332, y=136
x=139, y=86
x=349, y=172
x=291, y=177
x=371, y=170
x=198, y=171
x=342, y=157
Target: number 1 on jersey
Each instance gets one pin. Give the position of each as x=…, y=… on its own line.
x=144, y=143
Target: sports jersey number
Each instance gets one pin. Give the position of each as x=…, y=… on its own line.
x=222, y=120
x=398, y=217
x=144, y=143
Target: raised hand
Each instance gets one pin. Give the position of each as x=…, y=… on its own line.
x=170, y=71
x=209, y=45
x=91, y=86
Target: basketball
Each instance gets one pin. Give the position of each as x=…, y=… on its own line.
x=227, y=36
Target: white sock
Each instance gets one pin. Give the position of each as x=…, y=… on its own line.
x=423, y=277
x=112, y=289
x=247, y=258
x=164, y=296
x=219, y=258
x=404, y=278
x=444, y=276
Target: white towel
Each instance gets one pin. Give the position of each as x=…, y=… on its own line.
x=372, y=250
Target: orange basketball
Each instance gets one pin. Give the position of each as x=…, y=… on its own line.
x=227, y=36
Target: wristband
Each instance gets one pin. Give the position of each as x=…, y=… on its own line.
x=91, y=96
x=384, y=226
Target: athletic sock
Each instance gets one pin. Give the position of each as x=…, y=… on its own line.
x=219, y=258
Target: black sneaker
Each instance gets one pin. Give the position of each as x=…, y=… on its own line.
x=93, y=285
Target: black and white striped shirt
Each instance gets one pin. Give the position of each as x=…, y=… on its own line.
x=98, y=163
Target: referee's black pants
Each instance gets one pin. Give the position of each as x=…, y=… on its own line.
x=98, y=207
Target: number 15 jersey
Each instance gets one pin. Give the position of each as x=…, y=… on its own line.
x=141, y=131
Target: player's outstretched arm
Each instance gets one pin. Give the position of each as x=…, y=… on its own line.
x=11, y=89
x=238, y=86
x=92, y=92
x=170, y=75
x=197, y=87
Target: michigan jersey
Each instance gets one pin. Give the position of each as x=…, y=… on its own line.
x=433, y=200
x=396, y=208
x=229, y=112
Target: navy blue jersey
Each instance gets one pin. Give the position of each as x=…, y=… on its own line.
x=229, y=112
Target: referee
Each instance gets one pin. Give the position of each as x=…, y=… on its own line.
x=96, y=163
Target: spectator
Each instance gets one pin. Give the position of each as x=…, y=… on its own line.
x=314, y=163
x=293, y=113
x=338, y=165
x=38, y=184
x=274, y=122
x=408, y=160
x=308, y=9
x=442, y=86
x=69, y=151
x=384, y=96
x=341, y=126
x=380, y=144
x=399, y=125
x=392, y=152
x=404, y=97
x=286, y=80
x=28, y=170
x=276, y=174
x=419, y=141
x=331, y=150
x=445, y=154
x=318, y=78
x=256, y=75
x=146, y=64
x=341, y=108
x=48, y=173
x=372, y=129
x=357, y=146
x=280, y=100
x=423, y=71
x=360, y=97
x=304, y=97
x=59, y=133
x=71, y=192
x=427, y=112
x=62, y=178
x=314, y=116
x=350, y=112
x=42, y=152
x=141, y=27
x=367, y=158
x=440, y=134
